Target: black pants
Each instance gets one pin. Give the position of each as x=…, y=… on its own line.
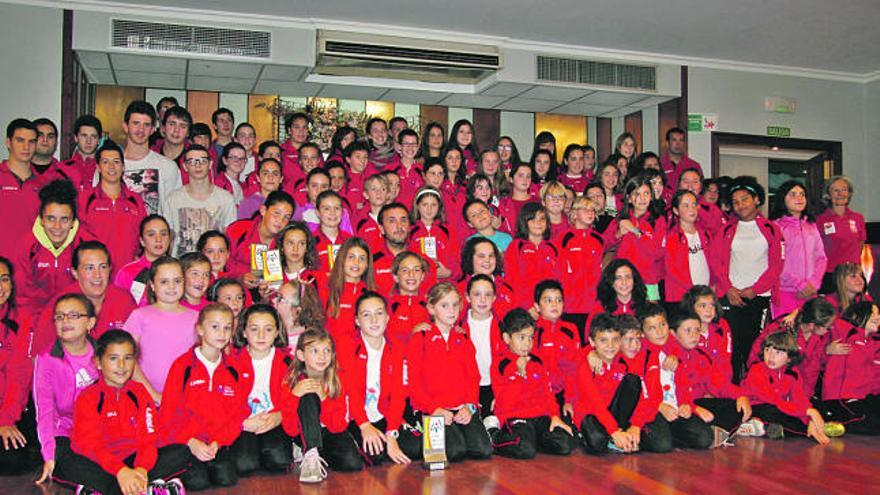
x=771, y=414
x=487, y=397
x=579, y=320
x=270, y=450
x=338, y=449
x=654, y=438
x=410, y=445
x=21, y=460
x=220, y=471
x=523, y=438
x=74, y=469
x=860, y=416
x=746, y=324
x=724, y=410
x=470, y=440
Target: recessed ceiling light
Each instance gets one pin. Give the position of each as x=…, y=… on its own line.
x=775, y=148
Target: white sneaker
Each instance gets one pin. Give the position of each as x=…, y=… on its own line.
x=313, y=468
x=490, y=422
x=751, y=428
x=297, y=453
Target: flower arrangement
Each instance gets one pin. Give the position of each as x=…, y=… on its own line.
x=325, y=118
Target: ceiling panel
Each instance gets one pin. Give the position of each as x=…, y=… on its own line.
x=100, y=76
x=506, y=89
x=226, y=84
x=473, y=101
x=529, y=105
x=610, y=98
x=583, y=109
x=556, y=93
x=415, y=96
x=283, y=72
x=93, y=60
x=149, y=79
x=144, y=63
x=287, y=88
x=216, y=68
x=650, y=101
x=349, y=92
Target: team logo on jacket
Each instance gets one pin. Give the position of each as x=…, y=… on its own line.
x=148, y=419
x=197, y=382
x=226, y=391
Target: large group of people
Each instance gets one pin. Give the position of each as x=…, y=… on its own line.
x=196, y=305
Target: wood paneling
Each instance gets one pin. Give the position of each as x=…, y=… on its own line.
x=633, y=125
x=110, y=105
x=487, y=124
x=567, y=129
x=261, y=118
x=201, y=104
x=68, y=87
x=604, y=146
x=434, y=113
x=667, y=115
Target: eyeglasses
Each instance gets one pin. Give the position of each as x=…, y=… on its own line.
x=504, y=147
x=68, y=316
x=196, y=161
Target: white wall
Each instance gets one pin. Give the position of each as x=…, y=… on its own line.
x=872, y=150
x=826, y=110
x=30, y=50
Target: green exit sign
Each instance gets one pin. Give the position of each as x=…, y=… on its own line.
x=776, y=131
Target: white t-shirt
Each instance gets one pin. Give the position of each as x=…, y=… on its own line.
x=667, y=384
x=697, y=262
x=190, y=218
x=212, y=366
x=480, y=336
x=749, y=255
x=260, y=398
x=153, y=177
x=374, y=382
x=237, y=193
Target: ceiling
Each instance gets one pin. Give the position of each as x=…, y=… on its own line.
x=239, y=77
x=839, y=35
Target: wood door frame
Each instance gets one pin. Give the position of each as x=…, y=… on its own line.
x=832, y=149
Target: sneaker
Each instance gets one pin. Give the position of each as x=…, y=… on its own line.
x=834, y=429
x=297, y=453
x=313, y=468
x=84, y=490
x=751, y=428
x=157, y=487
x=491, y=422
x=775, y=431
x=175, y=487
x=612, y=447
x=721, y=438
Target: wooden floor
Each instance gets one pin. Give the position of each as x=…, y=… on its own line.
x=849, y=465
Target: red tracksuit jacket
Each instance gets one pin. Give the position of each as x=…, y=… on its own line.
x=115, y=222
x=812, y=351
x=521, y=396
x=557, y=344
x=496, y=343
x=706, y=376
x=368, y=229
x=16, y=364
x=20, y=204
x=441, y=373
x=593, y=394
x=645, y=251
x=718, y=345
x=855, y=375
x=651, y=374
x=241, y=235
x=244, y=366
x=580, y=260
x=781, y=388
x=406, y=312
x=769, y=280
x=343, y=324
x=382, y=261
x=334, y=412
x=197, y=405
x=448, y=249
x=710, y=218
x=676, y=261
x=525, y=265
x=323, y=246
x=110, y=424
x=352, y=356
x=503, y=295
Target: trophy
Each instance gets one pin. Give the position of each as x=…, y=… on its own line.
x=434, y=443
x=273, y=273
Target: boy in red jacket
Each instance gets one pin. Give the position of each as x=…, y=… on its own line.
x=556, y=341
x=610, y=404
x=524, y=405
x=114, y=430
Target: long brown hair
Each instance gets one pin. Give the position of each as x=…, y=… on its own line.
x=337, y=274
x=297, y=368
x=842, y=271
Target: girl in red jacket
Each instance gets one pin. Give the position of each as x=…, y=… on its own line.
x=316, y=409
x=299, y=256
x=620, y=291
x=531, y=257
x=850, y=389
x=580, y=260
x=482, y=256
x=351, y=275
x=430, y=234
x=202, y=402
x=688, y=256
x=371, y=367
x=444, y=379
x=481, y=324
x=407, y=304
x=17, y=427
x=114, y=436
x=715, y=340
x=777, y=394
x=261, y=361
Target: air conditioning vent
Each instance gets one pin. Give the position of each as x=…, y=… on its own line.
x=195, y=40
x=568, y=70
x=365, y=55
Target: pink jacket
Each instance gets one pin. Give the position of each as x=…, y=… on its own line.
x=56, y=387
x=804, y=254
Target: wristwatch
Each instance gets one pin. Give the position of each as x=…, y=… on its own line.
x=393, y=434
